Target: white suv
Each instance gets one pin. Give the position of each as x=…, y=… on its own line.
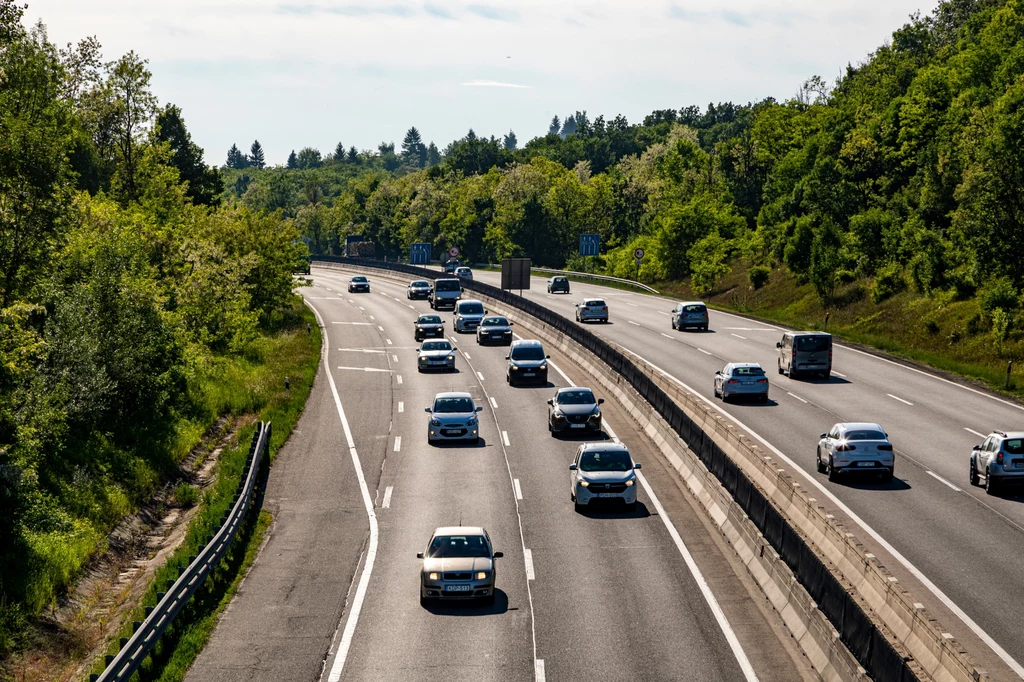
x=603, y=472
x=468, y=315
x=999, y=459
x=856, y=447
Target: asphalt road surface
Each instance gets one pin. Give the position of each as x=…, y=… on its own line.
x=955, y=547
x=604, y=595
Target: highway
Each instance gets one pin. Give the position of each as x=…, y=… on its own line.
x=930, y=525
x=608, y=594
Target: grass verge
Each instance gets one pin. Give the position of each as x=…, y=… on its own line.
x=291, y=352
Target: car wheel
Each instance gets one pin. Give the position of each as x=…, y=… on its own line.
x=887, y=476
x=990, y=484
x=975, y=479
x=715, y=389
x=833, y=475
x=826, y=376
x=476, y=441
x=764, y=398
x=817, y=460
x=673, y=325
x=780, y=367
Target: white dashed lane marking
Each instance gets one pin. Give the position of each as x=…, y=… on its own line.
x=480, y=376
x=519, y=491
x=494, y=403
x=941, y=480
x=387, y=497
x=528, y=558
x=796, y=396
x=705, y=352
x=504, y=437
x=401, y=407
x=896, y=397
x=398, y=443
x=979, y=435
x=399, y=378
x=363, y=369
x=740, y=337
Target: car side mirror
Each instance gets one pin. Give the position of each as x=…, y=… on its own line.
x=551, y=401
x=600, y=401
x=976, y=447
x=454, y=349
x=511, y=324
x=718, y=372
x=427, y=410
x=417, y=349
x=547, y=357
x=479, y=408
x=507, y=357
x=419, y=555
x=498, y=555
x=572, y=467
x=824, y=435
x=778, y=344
x=636, y=465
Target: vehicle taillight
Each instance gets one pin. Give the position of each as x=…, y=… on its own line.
x=999, y=458
x=732, y=381
x=885, y=448
x=845, y=447
x=762, y=381
x=604, y=307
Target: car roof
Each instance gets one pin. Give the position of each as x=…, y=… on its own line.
x=604, y=447
x=809, y=334
x=527, y=343
x=693, y=303
x=419, y=281
x=593, y=298
x=1007, y=434
x=745, y=364
x=850, y=426
x=460, y=530
x=496, y=317
x=470, y=300
x=358, y=276
x=453, y=394
x=574, y=388
x=463, y=267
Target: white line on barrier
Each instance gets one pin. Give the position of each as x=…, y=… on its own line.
x=895, y=397
x=528, y=559
x=519, y=490
x=387, y=497
x=371, y=550
x=940, y=479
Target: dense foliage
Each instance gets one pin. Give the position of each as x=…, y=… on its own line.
x=123, y=291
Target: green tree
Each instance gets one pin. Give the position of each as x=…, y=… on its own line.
x=339, y=152
x=256, y=157
x=204, y=183
x=133, y=107
x=413, y=150
x=555, y=127
x=308, y=157
x=433, y=155
x=510, y=141
x=236, y=159
x=825, y=262
x=293, y=160
x=353, y=154
x=708, y=263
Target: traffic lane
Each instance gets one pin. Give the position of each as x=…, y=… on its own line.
x=610, y=574
x=280, y=622
x=432, y=486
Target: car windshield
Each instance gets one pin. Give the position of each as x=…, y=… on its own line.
x=443, y=405
x=747, y=372
x=447, y=285
x=429, y=319
x=528, y=353
x=694, y=308
x=494, y=322
x=611, y=460
x=595, y=303
x=358, y=279
x=581, y=396
x=811, y=344
x=419, y=285
x=1014, y=446
x=437, y=345
x=471, y=309
x=449, y=546
x=865, y=434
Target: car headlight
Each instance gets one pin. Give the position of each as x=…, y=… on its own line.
x=433, y=576
x=481, y=575
x=557, y=415
x=451, y=356
x=435, y=422
x=473, y=421
x=630, y=482
x=584, y=482
x=543, y=365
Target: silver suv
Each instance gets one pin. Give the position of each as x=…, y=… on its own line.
x=453, y=417
x=603, y=472
x=468, y=315
x=856, y=447
x=1000, y=459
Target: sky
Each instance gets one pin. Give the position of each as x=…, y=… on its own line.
x=297, y=73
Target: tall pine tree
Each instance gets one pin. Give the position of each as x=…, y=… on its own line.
x=236, y=159
x=353, y=154
x=413, y=150
x=556, y=126
x=339, y=152
x=256, y=157
x=511, y=141
x=433, y=156
x=293, y=160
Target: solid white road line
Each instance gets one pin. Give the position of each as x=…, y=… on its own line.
x=387, y=498
x=875, y=535
x=399, y=377
x=905, y=402
x=528, y=558
x=979, y=435
x=401, y=406
x=494, y=403
x=504, y=437
x=796, y=396
x=705, y=352
x=739, y=337
x=940, y=479
x=667, y=336
x=480, y=376
x=359, y=597
x=519, y=490
x=357, y=324
x=398, y=443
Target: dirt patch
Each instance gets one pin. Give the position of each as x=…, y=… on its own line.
x=65, y=642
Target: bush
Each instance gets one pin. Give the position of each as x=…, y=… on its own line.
x=931, y=326
x=845, y=276
x=758, y=275
x=1000, y=293
x=889, y=282
x=975, y=324
x=185, y=495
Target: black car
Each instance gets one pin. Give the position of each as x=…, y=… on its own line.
x=357, y=284
x=574, y=410
x=428, y=325
x=419, y=289
x=527, y=363
x=558, y=285
x=494, y=329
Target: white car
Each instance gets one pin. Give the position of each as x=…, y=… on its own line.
x=453, y=418
x=438, y=354
x=462, y=272
x=468, y=315
x=603, y=472
x=592, y=310
x=856, y=447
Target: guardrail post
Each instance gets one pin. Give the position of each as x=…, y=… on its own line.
x=1009, y=368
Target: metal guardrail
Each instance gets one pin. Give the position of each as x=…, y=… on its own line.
x=861, y=635
x=133, y=651
x=600, y=278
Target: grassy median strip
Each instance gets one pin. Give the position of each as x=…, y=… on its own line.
x=254, y=384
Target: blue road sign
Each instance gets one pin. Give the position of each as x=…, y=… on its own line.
x=419, y=254
x=590, y=244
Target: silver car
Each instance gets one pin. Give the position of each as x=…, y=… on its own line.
x=463, y=272
x=741, y=379
x=690, y=314
x=453, y=418
x=494, y=329
x=603, y=472
x=419, y=289
x=436, y=355
x=592, y=309
x=1000, y=459
x=458, y=564
x=856, y=447
x=468, y=315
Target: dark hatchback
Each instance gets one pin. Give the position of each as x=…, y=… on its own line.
x=574, y=410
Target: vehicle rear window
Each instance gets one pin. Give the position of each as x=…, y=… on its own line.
x=430, y=319
x=561, y=280
x=747, y=372
x=527, y=353
x=447, y=285
x=444, y=546
x=811, y=344
x=436, y=345
x=865, y=434
x=594, y=303
x=614, y=460
x=454, y=405
x=576, y=397
x=1014, y=446
x=694, y=309
x=494, y=322
x=471, y=308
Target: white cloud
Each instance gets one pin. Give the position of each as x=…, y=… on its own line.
x=312, y=72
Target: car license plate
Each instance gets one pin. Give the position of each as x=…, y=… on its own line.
x=865, y=464
x=577, y=426
x=458, y=588
x=528, y=374
x=1018, y=464
x=496, y=336
x=452, y=432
